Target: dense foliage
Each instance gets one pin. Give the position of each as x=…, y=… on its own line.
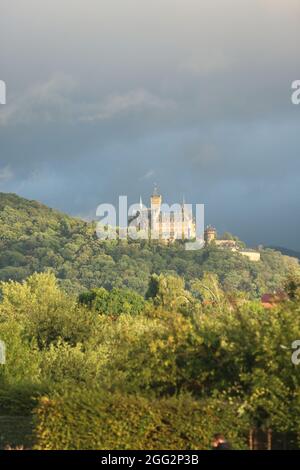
x=132, y=345
x=188, y=357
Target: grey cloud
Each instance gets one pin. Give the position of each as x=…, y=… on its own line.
x=55, y=101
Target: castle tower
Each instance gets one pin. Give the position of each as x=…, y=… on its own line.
x=210, y=234
x=156, y=201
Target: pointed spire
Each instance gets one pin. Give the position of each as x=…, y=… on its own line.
x=155, y=190
x=183, y=207
x=141, y=202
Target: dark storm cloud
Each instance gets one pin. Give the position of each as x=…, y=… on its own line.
x=106, y=97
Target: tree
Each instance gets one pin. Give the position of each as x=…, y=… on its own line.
x=168, y=291
x=208, y=288
x=45, y=312
x=292, y=285
x=114, y=302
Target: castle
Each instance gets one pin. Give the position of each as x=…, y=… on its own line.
x=167, y=224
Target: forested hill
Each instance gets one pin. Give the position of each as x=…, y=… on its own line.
x=34, y=237
x=286, y=251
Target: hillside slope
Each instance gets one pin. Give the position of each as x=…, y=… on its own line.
x=34, y=237
x=286, y=251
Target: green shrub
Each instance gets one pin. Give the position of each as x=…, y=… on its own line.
x=90, y=419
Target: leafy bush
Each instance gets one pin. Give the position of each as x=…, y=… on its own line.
x=90, y=419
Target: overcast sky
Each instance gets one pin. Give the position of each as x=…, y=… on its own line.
x=106, y=97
